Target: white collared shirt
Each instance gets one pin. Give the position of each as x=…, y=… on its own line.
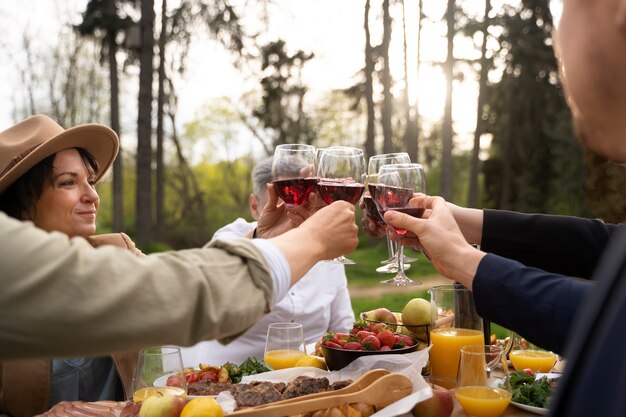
x=320, y=301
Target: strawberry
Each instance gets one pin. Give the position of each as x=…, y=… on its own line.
x=379, y=327
x=387, y=338
x=353, y=346
x=331, y=344
x=403, y=341
x=363, y=334
x=384, y=348
x=358, y=326
x=341, y=338
x=328, y=337
x=370, y=343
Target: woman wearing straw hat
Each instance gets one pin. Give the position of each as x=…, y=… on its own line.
x=50, y=179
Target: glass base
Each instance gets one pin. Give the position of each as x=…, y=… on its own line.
x=342, y=260
x=401, y=282
x=391, y=268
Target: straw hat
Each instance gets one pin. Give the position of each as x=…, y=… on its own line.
x=27, y=143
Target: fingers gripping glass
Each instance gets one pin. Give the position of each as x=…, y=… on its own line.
x=293, y=170
x=340, y=171
x=395, y=188
x=390, y=265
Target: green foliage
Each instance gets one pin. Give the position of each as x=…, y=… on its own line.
x=534, y=162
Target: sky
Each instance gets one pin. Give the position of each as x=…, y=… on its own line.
x=332, y=29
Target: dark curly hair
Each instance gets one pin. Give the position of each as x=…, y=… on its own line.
x=20, y=198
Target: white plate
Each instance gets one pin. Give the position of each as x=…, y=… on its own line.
x=530, y=408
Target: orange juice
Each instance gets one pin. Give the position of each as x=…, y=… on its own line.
x=143, y=393
x=483, y=401
x=537, y=360
x=446, y=350
x=284, y=358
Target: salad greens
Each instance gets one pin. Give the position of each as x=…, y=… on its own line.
x=528, y=390
x=250, y=366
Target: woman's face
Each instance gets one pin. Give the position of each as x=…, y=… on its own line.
x=70, y=203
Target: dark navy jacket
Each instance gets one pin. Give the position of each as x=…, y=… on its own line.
x=583, y=318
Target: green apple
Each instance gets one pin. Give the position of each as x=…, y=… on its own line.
x=416, y=313
x=162, y=406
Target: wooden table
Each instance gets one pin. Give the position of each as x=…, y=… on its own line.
x=511, y=411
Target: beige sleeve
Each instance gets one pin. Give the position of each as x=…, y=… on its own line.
x=62, y=297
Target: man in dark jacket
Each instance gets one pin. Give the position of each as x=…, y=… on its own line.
x=582, y=318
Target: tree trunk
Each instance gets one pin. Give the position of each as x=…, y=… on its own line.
x=160, y=177
x=144, y=125
x=370, y=149
x=472, y=198
x=386, y=76
x=447, y=132
x=410, y=131
x=118, y=167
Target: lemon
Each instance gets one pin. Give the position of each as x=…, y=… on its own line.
x=202, y=407
x=314, y=361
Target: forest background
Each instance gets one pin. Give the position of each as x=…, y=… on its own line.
x=470, y=89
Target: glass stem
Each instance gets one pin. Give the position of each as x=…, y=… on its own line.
x=400, y=254
x=391, y=245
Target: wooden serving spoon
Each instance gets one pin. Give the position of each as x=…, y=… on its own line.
x=363, y=381
x=382, y=392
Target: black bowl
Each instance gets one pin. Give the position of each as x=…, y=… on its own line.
x=340, y=358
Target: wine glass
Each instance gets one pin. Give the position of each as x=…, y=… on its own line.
x=390, y=265
x=340, y=170
x=480, y=393
x=395, y=188
x=159, y=372
x=293, y=170
x=284, y=345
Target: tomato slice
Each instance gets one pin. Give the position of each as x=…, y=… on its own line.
x=191, y=377
x=208, y=376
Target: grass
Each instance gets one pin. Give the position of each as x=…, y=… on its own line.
x=368, y=258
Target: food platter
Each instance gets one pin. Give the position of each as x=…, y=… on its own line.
x=530, y=408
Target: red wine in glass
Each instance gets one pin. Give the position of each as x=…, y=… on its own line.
x=331, y=191
x=295, y=190
x=372, y=210
x=388, y=197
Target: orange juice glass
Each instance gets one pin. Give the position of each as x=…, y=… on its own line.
x=159, y=371
x=537, y=360
x=284, y=358
x=454, y=324
x=284, y=345
x=143, y=393
x=478, y=391
x=483, y=401
x=446, y=349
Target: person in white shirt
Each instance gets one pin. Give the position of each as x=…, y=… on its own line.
x=320, y=300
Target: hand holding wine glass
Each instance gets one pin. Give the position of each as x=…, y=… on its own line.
x=395, y=188
x=275, y=219
x=340, y=170
x=390, y=265
x=293, y=167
